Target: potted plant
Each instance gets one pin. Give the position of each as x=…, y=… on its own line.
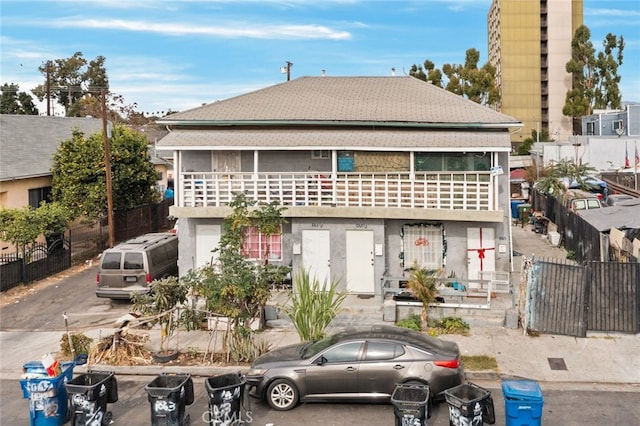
x=161, y=305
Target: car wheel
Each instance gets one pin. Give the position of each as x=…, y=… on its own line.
x=282, y=395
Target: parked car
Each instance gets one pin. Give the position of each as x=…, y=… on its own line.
x=577, y=200
x=615, y=199
x=357, y=364
x=131, y=266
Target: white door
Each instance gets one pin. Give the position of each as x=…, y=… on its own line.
x=316, y=254
x=481, y=251
x=207, y=238
x=360, y=262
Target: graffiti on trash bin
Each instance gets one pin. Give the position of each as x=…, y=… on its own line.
x=42, y=397
x=221, y=413
x=457, y=419
x=162, y=406
x=91, y=410
x=409, y=420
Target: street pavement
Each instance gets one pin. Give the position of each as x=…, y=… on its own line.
x=599, y=362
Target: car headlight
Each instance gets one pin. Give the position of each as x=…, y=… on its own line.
x=256, y=372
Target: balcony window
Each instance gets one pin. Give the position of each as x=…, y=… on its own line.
x=452, y=162
x=319, y=154
x=258, y=246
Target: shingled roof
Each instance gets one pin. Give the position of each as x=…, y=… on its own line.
x=27, y=142
x=347, y=100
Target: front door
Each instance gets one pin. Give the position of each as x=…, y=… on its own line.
x=207, y=238
x=481, y=252
x=316, y=254
x=360, y=262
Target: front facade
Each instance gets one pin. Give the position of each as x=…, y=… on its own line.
x=530, y=44
x=377, y=174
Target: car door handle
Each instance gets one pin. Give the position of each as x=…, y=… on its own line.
x=398, y=367
x=351, y=369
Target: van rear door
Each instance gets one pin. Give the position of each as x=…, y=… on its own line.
x=121, y=273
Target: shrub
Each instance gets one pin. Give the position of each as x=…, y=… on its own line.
x=313, y=306
x=412, y=322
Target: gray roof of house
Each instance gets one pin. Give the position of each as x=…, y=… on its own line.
x=625, y=215
x=340, y=100
x=27, y=142
x=283, y=139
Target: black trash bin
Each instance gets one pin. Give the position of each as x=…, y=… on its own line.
x=471, y=403
x=89, y=394
x=47, y=395
x=410, y=404
x=169, y=394
x=226, y=399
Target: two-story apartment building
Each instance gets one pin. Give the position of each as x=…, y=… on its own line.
x=376, y=174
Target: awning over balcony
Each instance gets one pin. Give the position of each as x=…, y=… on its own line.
x=372, y=140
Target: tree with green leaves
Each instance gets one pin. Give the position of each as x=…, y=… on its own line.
x=235, y=286
x=595, y=79
x=13, y=101
x=72, y=79
x=476, y=84
x=79, y=175
x=429, y=74
x=553, y=179
x=525, y=146
x=23, y=226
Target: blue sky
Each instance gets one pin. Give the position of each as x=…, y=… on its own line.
x=178, y=55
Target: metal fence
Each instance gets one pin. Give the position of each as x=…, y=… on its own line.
x=570, y=299
x=79, y=243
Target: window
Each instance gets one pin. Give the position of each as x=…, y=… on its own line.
x=38, y=195
x=591, y=128
x=319, y=154
x=378, y=351
x=452, y=162
x=111, y=261
x=424, y=245
x=617, y=125
x=257, y=246
x=133, y=261
x=349, y=352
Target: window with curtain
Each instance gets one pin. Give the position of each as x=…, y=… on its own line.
x=257, y=246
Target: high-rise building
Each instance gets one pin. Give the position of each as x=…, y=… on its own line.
x=530, y=45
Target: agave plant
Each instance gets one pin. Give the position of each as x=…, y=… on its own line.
x=313, y=305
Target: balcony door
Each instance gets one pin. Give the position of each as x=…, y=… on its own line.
x=360, y=261
x=226, y=161
x=316, y=254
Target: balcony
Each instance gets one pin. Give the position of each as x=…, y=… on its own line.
x=465, y=191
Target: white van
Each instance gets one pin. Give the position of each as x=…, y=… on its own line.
x=131, y=266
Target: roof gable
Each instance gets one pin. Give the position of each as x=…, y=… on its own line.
x=346, y=99
x=27, y=142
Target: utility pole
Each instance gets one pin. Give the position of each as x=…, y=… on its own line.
x=107, y=166
x=287, y=69
x=48, y=88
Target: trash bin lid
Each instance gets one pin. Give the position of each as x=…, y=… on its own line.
x=528, y=390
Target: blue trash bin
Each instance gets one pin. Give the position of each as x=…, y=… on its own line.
x=514, y=208
x=47, y=395
x=523, y=402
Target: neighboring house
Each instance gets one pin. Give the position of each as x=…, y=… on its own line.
x=27, y=145
x=376, y=174
x=610, y=141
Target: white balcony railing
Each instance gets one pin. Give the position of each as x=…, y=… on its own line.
x=438, y=190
